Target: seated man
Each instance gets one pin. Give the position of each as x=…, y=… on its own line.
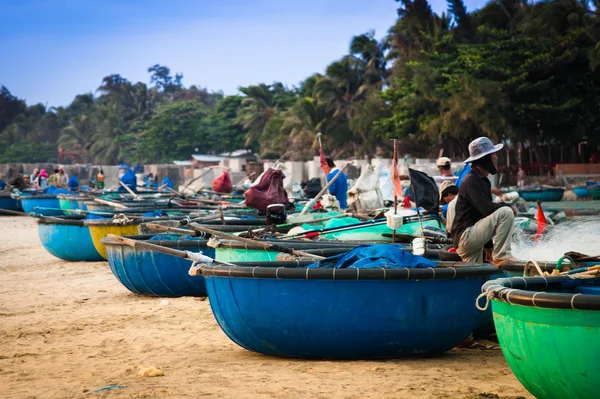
x=339, y=188
x=479, y=220
x=448, y=195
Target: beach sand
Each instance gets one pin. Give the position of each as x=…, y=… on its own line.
x=70, y=329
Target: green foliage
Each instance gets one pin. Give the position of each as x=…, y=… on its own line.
x=518, y=71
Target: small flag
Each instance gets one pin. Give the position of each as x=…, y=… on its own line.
x=425, y=191
x=541, y=218
x=396, y=175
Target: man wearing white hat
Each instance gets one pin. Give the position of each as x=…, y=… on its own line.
x=445, y=167
x=479, y=220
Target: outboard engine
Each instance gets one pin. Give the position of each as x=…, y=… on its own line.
x=276, y=214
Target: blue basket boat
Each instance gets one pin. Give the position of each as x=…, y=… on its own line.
x=67, y=239
x=146, y=272
x=30, y=202
x=581, y=192
x=543, y=194
x=9, y=203
x=346, y=313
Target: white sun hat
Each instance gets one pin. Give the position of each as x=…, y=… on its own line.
x=480, y=147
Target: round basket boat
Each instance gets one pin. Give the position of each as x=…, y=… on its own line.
x=147, y=272
x=345, y=313
x=548, y=330
x=9, y=203
x=581, y=192
x=594, y=193
x=67, y=239
x=100, y=228
x=35, y=204
x=543, y=194
x=233, y=251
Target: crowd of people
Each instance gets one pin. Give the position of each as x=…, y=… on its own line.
x=39, y=180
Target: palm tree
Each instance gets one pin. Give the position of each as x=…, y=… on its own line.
x=77, y=136
x=260, y=105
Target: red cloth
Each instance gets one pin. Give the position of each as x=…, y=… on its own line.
x=406, y=203
x=269, y=191
x=222, y=184
x=323, y=161
x=541, y=227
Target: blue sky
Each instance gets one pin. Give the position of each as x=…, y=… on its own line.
x=54, y=49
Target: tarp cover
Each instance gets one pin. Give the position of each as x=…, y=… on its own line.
x=269, y=191
x=55, y=190
x=389, y=256
x=130, y=180
x=365, y=194
x=167, y=182
x=73, y=183
x=222, y=184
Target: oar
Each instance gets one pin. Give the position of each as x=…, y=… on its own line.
x=315, y=233
x=17, y=213
x=135, y=196
x=312, y=202
x=300, y=223
x=159, y=248
x=110, y=203
x=264, y=245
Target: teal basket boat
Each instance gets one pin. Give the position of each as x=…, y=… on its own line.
x=543, y=194
x=548, y=329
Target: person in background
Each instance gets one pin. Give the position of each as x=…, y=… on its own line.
x=477, y=219
x=62, y=179
x=73, y=183
x=34, y=175
x=27, y=181
x=339, y=188
x=2, y=182
x=52, y=178
x=15, y=180
x=41, y=183
x=445, y=168
x=100, y=179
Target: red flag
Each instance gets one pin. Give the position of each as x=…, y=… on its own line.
x=323, y=161
x=406, y=204
x=541, y=218
x=396, y=175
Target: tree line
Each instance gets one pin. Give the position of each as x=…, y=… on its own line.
x=525, y=73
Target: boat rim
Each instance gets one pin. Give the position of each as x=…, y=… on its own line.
x=514, y=292
x=446, y=271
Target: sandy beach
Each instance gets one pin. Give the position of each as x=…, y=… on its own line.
x=67, y=330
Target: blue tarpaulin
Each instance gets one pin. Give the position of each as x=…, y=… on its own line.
x=129, y=180
x=55, y=190
x=73, y=183
x=167, y=182
x=389, y=256
x=156, y=214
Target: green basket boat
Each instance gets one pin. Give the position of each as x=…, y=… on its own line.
x=548, y=328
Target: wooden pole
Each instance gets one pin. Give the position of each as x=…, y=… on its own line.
x=324, y=190
x=110, y=203
x=158, y=248
x=128, y=189
x=232, y=237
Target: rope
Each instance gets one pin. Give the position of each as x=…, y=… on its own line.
x=121, y=218
x=199, y=262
